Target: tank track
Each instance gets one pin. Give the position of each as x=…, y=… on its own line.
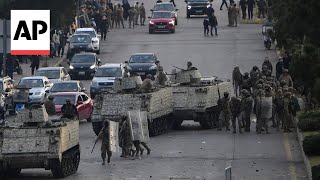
x=68, y=165
x=10, y=172
x=160, y=125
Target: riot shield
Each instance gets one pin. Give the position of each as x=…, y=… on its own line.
x=113, y=136
x=266, y=107
x=139, y=125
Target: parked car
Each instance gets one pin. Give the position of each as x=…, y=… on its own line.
x=54, y=74
x=79, y=43
x=104, y=78
x=162, y=21
x=167, y=6
x=83, y=102
x=94, y=36
x=39, y=85
x=143, y=64
x=67, y=86
x=84, y=65
x=196, y=7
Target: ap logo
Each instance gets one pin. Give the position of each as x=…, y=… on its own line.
x=30, y=32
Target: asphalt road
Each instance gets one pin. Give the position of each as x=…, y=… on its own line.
x=191, y=153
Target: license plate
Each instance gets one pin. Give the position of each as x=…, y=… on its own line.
x=141, y=73
x=161, y=26
x=199, y=11
x=82, y=73
x=105, y=89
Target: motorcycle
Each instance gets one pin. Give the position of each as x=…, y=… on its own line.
x=267, y=31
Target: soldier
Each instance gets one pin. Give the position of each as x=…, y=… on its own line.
x=246, y=82
x=264, y=71
x=119, y=16
x=189, y=65
x=108, y=14
x=278, y=102
x=262, y=122
x=138, y=11
x=105, y=144
x=235, y=107
x=50, y=106
x=224, y=116
x=132, y=14
x=114, y=16
x=236, y=79
x=142, y=12
x=267, y=63
x=246, y=109
x=161, y=77
x=286, y=78
x=69, y=110
x=286, y=112
x=126, y=140
x=254, y=76
x=147, y=84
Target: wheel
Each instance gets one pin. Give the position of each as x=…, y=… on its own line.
x=188, y=15
x=176, y=22
x=98, y=52
x=96, y=126
x=206, y=120
x=150, y=31
x=173, y=31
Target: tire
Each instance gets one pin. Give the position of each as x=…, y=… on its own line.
x=13, y=171
x=176, y=22
x=173, y=31
x=98, y=52
x=97, y=126
x=150, y=31
x=188, y=15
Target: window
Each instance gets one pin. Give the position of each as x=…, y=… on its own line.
x=79, y=98
x=50, y=74
x=31, y=83
x=84, y=97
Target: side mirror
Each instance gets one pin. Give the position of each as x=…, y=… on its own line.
x=7, y=90
x=80, y=102
x=83, y=90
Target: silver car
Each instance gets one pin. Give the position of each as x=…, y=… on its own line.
x=54, y=74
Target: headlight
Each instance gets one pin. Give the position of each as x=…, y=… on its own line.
x=150, y=22
x=71, y=67
x=189, y=7
x=171, y=22
x=94, y=83
x=208, y=5
x=153, y=67
x=92, y=67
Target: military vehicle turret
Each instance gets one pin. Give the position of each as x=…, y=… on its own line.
x=195, y=97
x=35, y=140
x=125, y=96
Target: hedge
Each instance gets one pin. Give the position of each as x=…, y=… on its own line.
x=310, y=124
x=311, y=145
x=316, y=172
x=307, y=115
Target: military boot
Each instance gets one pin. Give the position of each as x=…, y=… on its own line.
x=103, y=161
x=109, y=157
x=141, y=151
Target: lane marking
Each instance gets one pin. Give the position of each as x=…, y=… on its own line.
x=291, y=165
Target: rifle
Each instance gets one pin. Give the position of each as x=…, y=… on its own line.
x=179, y=68
x=94, y=146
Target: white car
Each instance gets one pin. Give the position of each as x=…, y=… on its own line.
x=54, y=74
x=38, y=86
x=95, y=37
x=104, y=78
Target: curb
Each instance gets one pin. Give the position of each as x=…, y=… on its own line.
x=305, y=158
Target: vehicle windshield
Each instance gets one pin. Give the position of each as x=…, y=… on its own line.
x=31, y=83
x=161, y=15
x=163, y=7
x=61, y=99
x=91, y=33
x=109, y=72
x=141, y=59
x=83, y=58
x=50, y=74
x=64, y=87
x=80, y=39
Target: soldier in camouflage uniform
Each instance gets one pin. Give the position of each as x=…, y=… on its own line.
x=105, y=145
x=286, y=78
x=286, y=112
x=235, y=107
x=161, y=77
x=278, y=102
x=246, y=109
x=254, y=76
x=262, y=122
x=132, y=14
x=138, y=11
x=69, y=110
x=142, y=12
x=224, y=116
x=246, y=82
x=264, y=71
x=50, y=106
x=147, y=84
x=236, y=79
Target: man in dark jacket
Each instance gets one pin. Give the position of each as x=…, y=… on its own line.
x=261, y=8
x=213, y=23
x=210, y=10
x=267, y=63
x=279, y=68
x=243, y=6
x=63, y=41
x=104, y=27
x=69, y=110
x=250, y=8
x=224, y=2
x=35, y=62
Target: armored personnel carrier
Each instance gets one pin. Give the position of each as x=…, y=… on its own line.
x=126, y=96
x=35, y=140
x=195, y=97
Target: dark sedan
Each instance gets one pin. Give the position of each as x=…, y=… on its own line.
x=84, y=65
x=79, y=43
x=143, y=64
